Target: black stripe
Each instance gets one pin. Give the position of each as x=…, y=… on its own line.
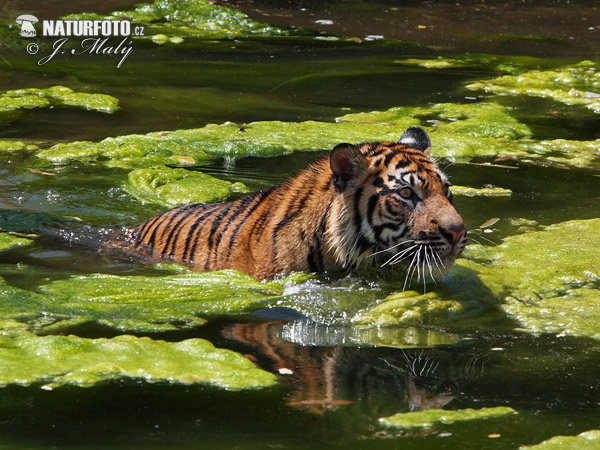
x=174, y=234
x=187, y=254
x=259, y=224
x=260, y=197
x=174, y=214
x=363, y=244
x=357, y=217
x=403, y=163
x=291, y=215
x=370, y=148
x=388, y=158
x=242, y=204
x=424, y=181
x=214, y=227
x=376, y=153
x=141, y=230
x=377, y=148
x=378, y=229
x=323, y=224
x=169, y=218
x=371, y=208
x=217, y=222
x=200, y=221
x=155, y=220
x=410, y=151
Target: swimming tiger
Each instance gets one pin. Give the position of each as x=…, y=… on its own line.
x=372, y=203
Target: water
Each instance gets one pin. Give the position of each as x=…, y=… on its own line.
x=340, y=382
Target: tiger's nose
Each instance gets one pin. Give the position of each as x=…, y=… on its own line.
x=453, y=234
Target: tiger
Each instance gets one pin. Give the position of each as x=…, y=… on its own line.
x=368, y=204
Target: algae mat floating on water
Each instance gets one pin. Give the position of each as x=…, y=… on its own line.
x=464, y=132
x=439, y=417
x=578, y=84
x=492, y=191
x=70, y=360
x=172, y=187
x=56, y=96
x=135, y=303
x=588, y=440
x=10, y=242
x=259, y=139
x=197, y=18
x=15, y=146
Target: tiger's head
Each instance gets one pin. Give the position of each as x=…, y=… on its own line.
x=396, y=206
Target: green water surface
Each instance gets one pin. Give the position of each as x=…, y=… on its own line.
x=99, y=351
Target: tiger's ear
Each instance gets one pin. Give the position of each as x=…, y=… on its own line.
x=417, y=138
x=347, y=164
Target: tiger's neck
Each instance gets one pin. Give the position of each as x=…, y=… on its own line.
x=313, y=226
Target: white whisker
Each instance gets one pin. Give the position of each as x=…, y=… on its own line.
x=393, y=247
x=443, y=266
x=424, y=277
x=408, y=272
x=428, y=248
x=398, y=256
x=480, y=248
x=481, y=237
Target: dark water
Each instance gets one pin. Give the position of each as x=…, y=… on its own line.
x=553, y=382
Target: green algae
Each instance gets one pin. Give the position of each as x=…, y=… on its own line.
x=552, y=278
x=70, y=360
x=439, y=417
x=584, y=154
x=15, y=146
x=468, y=131
x=468, y=191
x=131, y=151
x=498, y=63
x=10, y=242
x=198, y=18
x=259, y=139
x=56, y=96
x=479, y=120
x=153, y=303
x=437, y=63
x=541, y=280
x=273, y=138
x=410, y=308
x=458, y=131
x=577, y=84
x=588, y=440
x=172, y=187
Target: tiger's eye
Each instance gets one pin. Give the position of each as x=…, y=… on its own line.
x=406, y=192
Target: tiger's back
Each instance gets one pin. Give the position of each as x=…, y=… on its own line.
x=245, y=234
x=360, y=203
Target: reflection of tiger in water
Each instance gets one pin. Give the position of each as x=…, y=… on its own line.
x=387, y=200
x=379, y=381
